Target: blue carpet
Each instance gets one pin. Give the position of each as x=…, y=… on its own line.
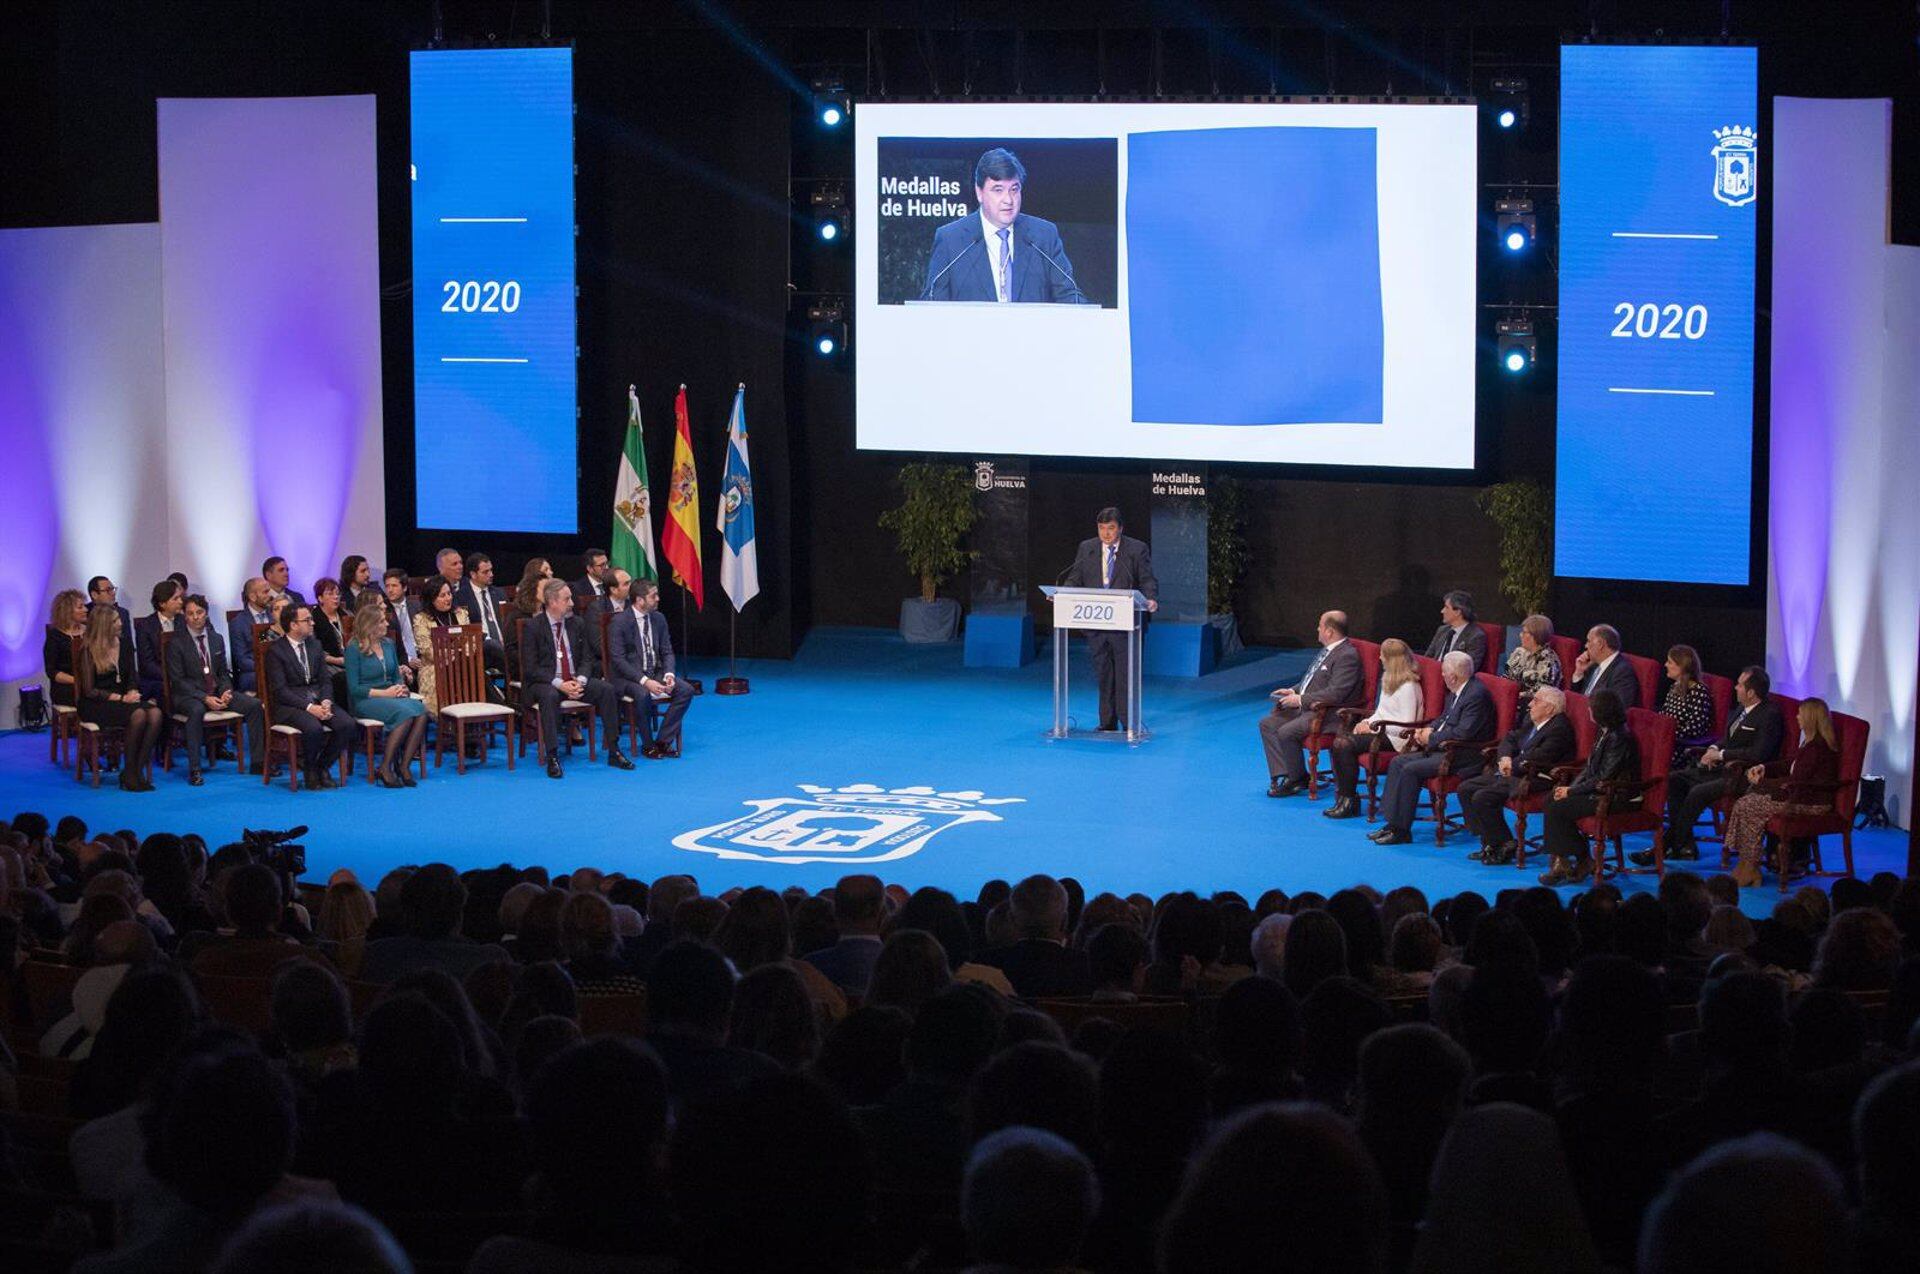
x=861, y=709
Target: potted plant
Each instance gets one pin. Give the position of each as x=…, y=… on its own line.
x=929, y=524
x=1523, y=510
x=1226, y=558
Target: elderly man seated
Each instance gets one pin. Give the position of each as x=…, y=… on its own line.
x=1466, y=714
x=1528, y=753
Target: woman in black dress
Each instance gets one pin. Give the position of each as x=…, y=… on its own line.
x=110, y=694
x=331, y=625
x=68, y=620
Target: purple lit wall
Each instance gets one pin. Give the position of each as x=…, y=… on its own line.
x=271, y=286
x=1843, y=581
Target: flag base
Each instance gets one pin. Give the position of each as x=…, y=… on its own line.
x=731, y=686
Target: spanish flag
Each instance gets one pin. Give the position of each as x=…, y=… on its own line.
x=680, y=536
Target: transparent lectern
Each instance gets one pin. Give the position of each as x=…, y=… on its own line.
x=1113, y=610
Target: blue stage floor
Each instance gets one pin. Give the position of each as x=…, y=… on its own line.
x=861, y=709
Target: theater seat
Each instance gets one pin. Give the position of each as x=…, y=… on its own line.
x=1496, y=645
x=1379, y=756
x=1579, y=715
x=1614, y=817
x=1323, y=733
x=1506, y=706
x=1852, y=734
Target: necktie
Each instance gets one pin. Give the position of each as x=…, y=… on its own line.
x=492, y=626
x=406, y=631
x=206, y=663
x=1006, y=258
x=1106, y=572
x=646, y=645
x=300, y=653
x=1314, y=667
x=566, y=656
x=1453, y=635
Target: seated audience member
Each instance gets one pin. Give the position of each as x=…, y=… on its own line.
x=689, y=1003
x=757, y=931
x=1886, y=1144
x=275, y=572
x=330, y=626
x=619, y=593
x=1466, y=715
x=201, y=681
x=1527, y=756
x=1037, y=961
x=1615, y=757
x=1285, y=1188
x=377, y=690
x=311, y=1019
x=1458, y=631
x=592, y=585
x=1335, y=1019
x=559, y=664
x=1859, y=952
x=1186, y=947
x=356, y=582
x=1316, y=949
x=450, y=566
x=120, y=948
x=937, y=912
x=167, y=603
x=257, y=947
x=1793, y=1214
x=773, y=1016
x=526, y=601
x=911, y=969
x=67, y=620
x=436, y=610
x=596, y=1118
x=1038, y=1084
x=302, y=696
x=1117, y=964
x=431, y=903
x=312, y=1235
x=1600, y=667
x=1533, y=663
x=1416, y=951
x=848, y=963
x=1688, y=702
x=1153, y=1109
x=1027, y=1201
x=591, y=950
x=1332, y=681
x=1399, y=700
x=102, y=591
x=401, y=612
x=256, y=607
x=1475, y=1219
x=918, y=1130
x=863, y=1056
x=110, y=695
x=1256, y=1041
x=640, y=662
x=1412, y=1085
x=1269, y=945
x=480, y=599
x=1807, y=787
x=1505, y=1019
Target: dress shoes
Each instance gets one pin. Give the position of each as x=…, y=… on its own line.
x=618, y=759
x=407, y=779
x=654, y=751
x=195, y=779
x=1345, y=807
x=1500, y=855
x=1394, y=836
x=1555, y=875
x=1287, y=787
x=553, y=768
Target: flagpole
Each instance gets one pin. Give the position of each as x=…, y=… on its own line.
x=686, y=640
x=732, y=684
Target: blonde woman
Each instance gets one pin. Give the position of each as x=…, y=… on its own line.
x=346, y=914
x=110, y=694
x=1532, y=663
x=436, y=611
x=377, y=690
x=1400, y=701
x=1806, y=787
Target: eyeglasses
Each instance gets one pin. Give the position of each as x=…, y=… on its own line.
x=106, y=588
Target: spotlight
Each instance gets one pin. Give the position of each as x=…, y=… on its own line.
x=830, y=104
x=1514, y=224
x=827, y=328
x=1509, y=102
x=1515, y=344
x=830, y=222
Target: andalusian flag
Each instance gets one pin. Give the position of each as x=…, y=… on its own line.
x=740, y=560
x=632, y=543
x=680, y=538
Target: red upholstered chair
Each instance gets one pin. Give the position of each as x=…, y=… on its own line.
x=1534, y=798
x=1506, y=705
x=1613, y=818
x=1496, y=645
x=1789, y=749
x=1720, y=690
x=1568, y=648
x=1649, y=673
x=1321, y=736
x=1433, y=693
x=1851, y=733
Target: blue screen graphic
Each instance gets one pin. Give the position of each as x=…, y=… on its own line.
x=1658, y=180
x=495, y=438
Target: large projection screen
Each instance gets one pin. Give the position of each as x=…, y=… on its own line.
x=1280, y=282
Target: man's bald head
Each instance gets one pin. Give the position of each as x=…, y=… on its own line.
x=125, y=942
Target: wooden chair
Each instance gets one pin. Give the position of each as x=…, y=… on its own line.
x=1163, y=1014
x=529, y=715
x=47, y=985
x=655, y=709
x=460, y=685
x=280, y=738
x=65, y=724
x=218, y=725
x=1319, y=737
x=98, y=743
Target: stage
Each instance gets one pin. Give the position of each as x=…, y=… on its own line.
x=863, y=753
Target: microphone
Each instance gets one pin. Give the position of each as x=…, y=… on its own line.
x=927, y=291
x=1080, y=298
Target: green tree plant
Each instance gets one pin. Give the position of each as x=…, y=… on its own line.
x=1523, y=510
x=931, y=521
x=1226, y=543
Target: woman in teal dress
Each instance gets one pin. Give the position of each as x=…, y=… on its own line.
x=377, y=688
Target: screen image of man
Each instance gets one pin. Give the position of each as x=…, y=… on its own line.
x=1000, y=253
x=1113, y=560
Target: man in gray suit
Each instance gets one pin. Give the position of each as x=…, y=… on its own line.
x=1601, y=666
x=1113, y=560
x=640, y=664
x=1333, y=681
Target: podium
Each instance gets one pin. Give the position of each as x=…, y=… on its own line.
x=1111, y=610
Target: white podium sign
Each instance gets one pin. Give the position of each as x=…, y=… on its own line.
x=1072, y=608
x=1113, y=610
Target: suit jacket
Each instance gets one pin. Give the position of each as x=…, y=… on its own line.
x=467, y=597
x=848, y=962
x=1615, y=756
x=184, y=680
x=240, y=643
x=1337, y=682
x=1465, y=716
x=1754, y=737
x=584, y=595
x=1472, y=640
x=960, y=267
x=1040, y=968
x=146, y=650
x=540, y=662
x=626, y=659
x=400, y=620
x=1132, y=567
x=1550, y=745
x=291, y=690
x=1619, y=679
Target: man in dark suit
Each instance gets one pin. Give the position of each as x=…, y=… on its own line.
x=1467, y=715
x=858, y=902
x=400, y=612
x=1754, y=734
x=641, y=667
x=200, y=682
x=1000, y=253
x=482, y=602
x=1333, y=681
x=593, y=585
x=451, y=567
x=278, y=577
x=1039, y=962
x=255, y=608
x=559, y=663
x=1457, y=630
x=101, y=592
x=147, y=630
x=1602, y=667
x=302, y=686
x=1534, y=746
x=1113, y=560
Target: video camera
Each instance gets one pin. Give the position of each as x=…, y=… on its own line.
x=277, y=850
